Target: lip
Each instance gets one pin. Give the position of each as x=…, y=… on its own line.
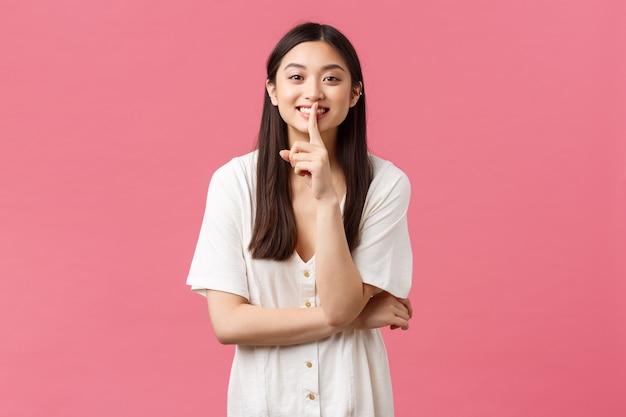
x=308, y=106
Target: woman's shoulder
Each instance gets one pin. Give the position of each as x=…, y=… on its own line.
x=385, y=172
x=239, y=167
x=390, y=186
x=236, y=178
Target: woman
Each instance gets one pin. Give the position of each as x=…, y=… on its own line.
x=304, y=249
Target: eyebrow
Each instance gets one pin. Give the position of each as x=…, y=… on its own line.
x=324, y=68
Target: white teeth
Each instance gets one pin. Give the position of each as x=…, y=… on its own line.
x=308, y=110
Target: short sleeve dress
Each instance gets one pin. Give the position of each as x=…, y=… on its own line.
x=346, y=374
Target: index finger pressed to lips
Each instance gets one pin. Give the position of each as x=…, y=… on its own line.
x=314, y=133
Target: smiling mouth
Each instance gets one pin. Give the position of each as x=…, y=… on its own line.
x=307, y=110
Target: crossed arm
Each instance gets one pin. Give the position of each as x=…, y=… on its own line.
x=235, y=321
x=346, y=302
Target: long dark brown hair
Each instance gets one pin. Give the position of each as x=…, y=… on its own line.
x=274, y=233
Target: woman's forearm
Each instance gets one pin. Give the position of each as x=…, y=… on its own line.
x=342, y=292
x=237, y=322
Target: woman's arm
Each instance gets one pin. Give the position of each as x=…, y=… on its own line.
x=237, y=322
x=385, y=310
x=342, y=292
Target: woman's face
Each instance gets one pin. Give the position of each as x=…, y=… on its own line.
x=313, y=72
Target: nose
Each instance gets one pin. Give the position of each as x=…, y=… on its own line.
x=314, y=90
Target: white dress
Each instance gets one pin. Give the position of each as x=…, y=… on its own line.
x=346, y=374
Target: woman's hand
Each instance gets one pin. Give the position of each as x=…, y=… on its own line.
x=385, y=310
x=310, y=160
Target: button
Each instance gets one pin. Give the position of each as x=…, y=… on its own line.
x=311, y=396
x=306, y=274
x=308, y=364
x=308, y=304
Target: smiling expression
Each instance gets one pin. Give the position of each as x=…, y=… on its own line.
x=313, y=72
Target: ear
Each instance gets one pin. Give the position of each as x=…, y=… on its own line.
x=271, y=91
x=356, y=93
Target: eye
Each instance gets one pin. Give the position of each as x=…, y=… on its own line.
x=296, y=77
x=331, y=78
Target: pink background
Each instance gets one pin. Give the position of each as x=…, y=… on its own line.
x=509, y=118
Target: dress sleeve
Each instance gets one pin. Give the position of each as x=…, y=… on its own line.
x=218, y=262
x=384, y=257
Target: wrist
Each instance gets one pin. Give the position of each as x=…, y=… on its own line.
x=330, y=201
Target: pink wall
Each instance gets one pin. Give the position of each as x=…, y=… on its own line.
x=509, y=117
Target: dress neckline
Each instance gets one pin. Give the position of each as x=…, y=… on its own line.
x=302, y=261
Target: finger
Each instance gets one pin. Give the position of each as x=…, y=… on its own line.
x=314, y=132
x=407, y=303
x=303, y=167
x=301, y=172
x=285, y=154
x=302, y=151
x=401, y=323
x=402, y=313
